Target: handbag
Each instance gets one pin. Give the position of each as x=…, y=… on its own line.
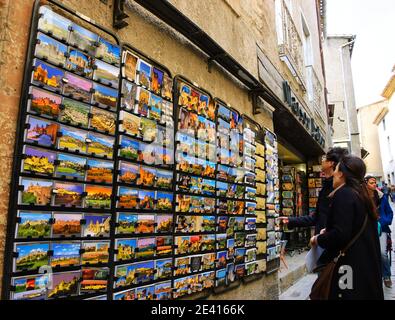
x=322, y=286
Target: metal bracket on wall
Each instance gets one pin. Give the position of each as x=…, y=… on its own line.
x=119, y=15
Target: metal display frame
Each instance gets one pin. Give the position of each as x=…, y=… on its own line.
x=19, y=145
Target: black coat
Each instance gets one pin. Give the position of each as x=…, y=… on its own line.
x=319, y=218
x=345, y=219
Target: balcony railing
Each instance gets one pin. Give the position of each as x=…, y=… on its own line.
x=290, y=45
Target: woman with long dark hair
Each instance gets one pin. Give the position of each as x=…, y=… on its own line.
x=357, y=275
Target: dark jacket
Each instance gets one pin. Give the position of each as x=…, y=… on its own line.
x=319, y=218
x=345, y=219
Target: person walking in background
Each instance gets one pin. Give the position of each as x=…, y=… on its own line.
x=392, y=193
x=352, y=211
x=385, y=220
x=384, y=188
x=328, y=164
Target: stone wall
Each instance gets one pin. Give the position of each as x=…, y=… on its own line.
x=155, y=39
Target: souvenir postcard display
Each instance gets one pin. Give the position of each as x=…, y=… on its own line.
x=288, y=190
x=314, y=186
x=272, y=201
x=195, y=214
x=144, y=203
x=260, y=211
x=62, y=204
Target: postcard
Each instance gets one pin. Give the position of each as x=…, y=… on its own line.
x=239, y=255
x=144, y=74
x=80, y=63
x=164, y=245
x=128, y=198
x=147, y=153
x=100, y=145
x=70, y=167
x=75, y=113
x=221, y=259
x=146, y=176
x=208, y=223
x=129, y=96
x=31, y=256
x=230, y=271
x=163, y=268
x=207, y=242
x=208, y=187
x=250, y=224
x=32, y=287
x=77, y=88
x=221, y=241
x=145, y=293
x=68, y=194
x=103, y=120
x=83, y=39
x=128, y=172
x=164, y=201
x=167, y=120
x=182, y=266
x=33, y=224
x=129, y=148
x=108, y=52
x=94, y=280
x=203, y=105
x=65, y=254
x=44, y=103
x=64, y=284
x=145, y=223
x=196, y=243
x=208, y=261
x=188, y=122
x=182, y=287
x=185, y=95
x=104, y=97
x=157, y=80
x=250, y=268
x=95, y=252
x=98, y=196
x=41, y=131
x=261, y=247
x=99, y=171
x=66, y=225
x=130, y=124
x=261, y=234
x=53, y=24
x=167, y=87
x=147, y=247
x=126, y=249
x=148, y=129
x=37, y=192
x=239, y=270
x=155, y=109
x=223, y=113
x=129, y=294
x=47, y=76
x=72, y=139
x=106, y=73
x=250, y=255
x=164, y=223
x=183, y=203
x=39, y=161
x=223, y=127
x=220, y=277
x=240, y=238
x=126, y=223
x=182, y=244
x=143, y=98
x=206, y=280
x=164, y=179
x=196, y=263
x=130, y=67
x=163, y=291
x=230, y=244
x=146, y=200
x=96, y=225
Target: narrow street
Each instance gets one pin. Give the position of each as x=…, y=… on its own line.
x=301, y=289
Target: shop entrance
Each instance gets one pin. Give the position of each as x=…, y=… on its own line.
x=294, y=196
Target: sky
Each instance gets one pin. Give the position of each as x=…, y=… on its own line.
x=374, y=50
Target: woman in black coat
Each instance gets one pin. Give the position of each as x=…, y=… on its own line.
x=349, y=207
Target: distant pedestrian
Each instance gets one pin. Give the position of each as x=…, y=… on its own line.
x=384, y=188
x=352, y=211
x=392, y=193
x=386, y=214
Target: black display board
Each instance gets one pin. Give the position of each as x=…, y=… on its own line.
x=126, y=185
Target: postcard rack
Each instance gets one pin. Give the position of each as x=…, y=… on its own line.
x=61, y=194
x=119, y=190
x=272, y=202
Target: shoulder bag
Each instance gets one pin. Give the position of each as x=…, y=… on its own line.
x=322, y=286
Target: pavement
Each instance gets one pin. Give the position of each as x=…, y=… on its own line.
x=300, y=290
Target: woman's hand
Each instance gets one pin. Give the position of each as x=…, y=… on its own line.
x=313, y=241
x=323, y=231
